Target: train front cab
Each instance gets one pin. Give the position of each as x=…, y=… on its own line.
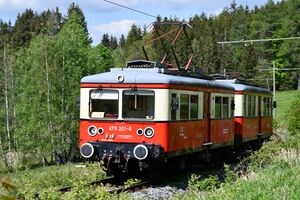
x=253, y=117
x=123, y=124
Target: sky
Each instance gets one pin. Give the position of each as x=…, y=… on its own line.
x=103, y=17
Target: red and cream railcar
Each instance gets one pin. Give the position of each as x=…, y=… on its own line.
x=253, y=113
x=146, y=112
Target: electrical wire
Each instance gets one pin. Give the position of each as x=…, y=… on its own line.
x=130, y=9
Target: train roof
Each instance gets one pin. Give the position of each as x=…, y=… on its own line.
x=249, y=88
x=240, y=87
x=151, y=76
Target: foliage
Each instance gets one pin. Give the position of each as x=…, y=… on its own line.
x=42, y=59
x=284, y=99
x=7, y=189
x=207, y=184
x=130, y=182
x=46, y=180
x=293, y=117
x=231, y=175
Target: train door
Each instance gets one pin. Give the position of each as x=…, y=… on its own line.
x=206, y=117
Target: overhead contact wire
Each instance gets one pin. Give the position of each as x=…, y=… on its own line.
x=130, y=8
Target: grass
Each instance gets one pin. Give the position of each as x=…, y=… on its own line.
x=43, y=179
x=284, y=99
x=274, y=173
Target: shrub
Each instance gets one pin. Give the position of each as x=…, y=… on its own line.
x=7, y=189
x=208, y=184
x=293, y=117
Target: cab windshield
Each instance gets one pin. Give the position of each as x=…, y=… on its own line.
x=138, y=104
x=104, y=103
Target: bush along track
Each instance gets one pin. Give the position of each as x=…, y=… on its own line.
x=270, y=173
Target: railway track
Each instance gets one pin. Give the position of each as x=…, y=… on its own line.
x=117, y=185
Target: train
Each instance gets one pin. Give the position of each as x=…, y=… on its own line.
x=146, y=114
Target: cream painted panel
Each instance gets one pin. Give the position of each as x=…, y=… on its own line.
x=162, y=105
x=84, y=103
x=239, y=102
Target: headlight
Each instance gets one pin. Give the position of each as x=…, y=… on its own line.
x=86, y=150
x=92, y=130
x=140, y=152
x=139, y=132
x=149, y=132
x=100, y=131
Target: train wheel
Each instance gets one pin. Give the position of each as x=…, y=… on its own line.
x=257, y=144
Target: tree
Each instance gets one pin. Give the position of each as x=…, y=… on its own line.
x=105, y=40
x=134, y=34
x=293, y=117
x=113, y=42
x=81, y=19
x=7, y=62
x=51, y=22
x=73, y=47
x=26, y=26
x=100, y=59
x=122, y=41
x=34, y=108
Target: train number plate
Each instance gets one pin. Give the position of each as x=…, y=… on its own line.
x=120, y=128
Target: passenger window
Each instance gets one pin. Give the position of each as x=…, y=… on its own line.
x=249, y=103
x=184, y=106
x=225, y=106
x=194, y=107
x=271, y=107
x=265, y=106
x=218, y=103
x=253, y=106
x=268, y=107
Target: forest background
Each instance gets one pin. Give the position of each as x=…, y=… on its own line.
x=44, y=55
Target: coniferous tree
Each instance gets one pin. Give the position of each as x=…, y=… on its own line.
x=105, y=40
x=75, y=8
x=26, y=26
x=122, y=41
x=113, y=42
x=134, y=34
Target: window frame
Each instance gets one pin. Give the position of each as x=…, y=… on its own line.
x=101, y=115
x=229, y=111
x=136, y=103
x=178, y=93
